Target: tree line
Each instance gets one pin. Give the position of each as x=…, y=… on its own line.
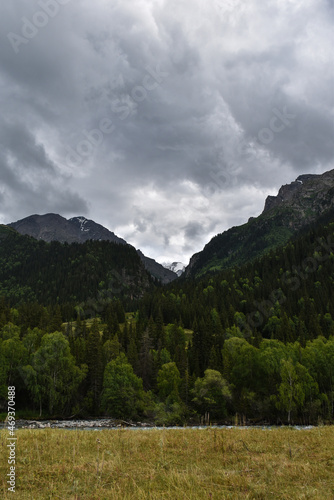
x=133, y=370
x=256, y=342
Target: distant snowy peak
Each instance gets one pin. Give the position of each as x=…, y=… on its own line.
x=176, y=267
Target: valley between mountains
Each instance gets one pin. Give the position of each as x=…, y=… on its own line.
x=89, y=326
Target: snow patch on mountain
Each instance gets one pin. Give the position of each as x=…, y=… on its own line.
x=176, y=267
x=82, y=221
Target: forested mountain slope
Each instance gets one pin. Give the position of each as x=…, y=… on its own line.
x=54, y=272
x=287, y=294
x=253, y=343
x=296, y=206
x=54, y=227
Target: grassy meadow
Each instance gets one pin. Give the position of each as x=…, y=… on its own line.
x=171, y=464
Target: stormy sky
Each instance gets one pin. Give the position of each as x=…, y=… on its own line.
x=165, y=121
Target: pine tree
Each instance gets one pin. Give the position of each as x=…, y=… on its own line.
x=55, y=321
x=95, y=365
x=145, y=359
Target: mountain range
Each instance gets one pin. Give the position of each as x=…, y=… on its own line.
x=54, y=227
x=252, y=311
x=296, y=206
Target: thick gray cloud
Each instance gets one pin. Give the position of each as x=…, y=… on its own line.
x=167, y=122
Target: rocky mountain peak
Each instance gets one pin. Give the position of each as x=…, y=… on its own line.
x=54, y=227
x=309, y=193
x=297, y=205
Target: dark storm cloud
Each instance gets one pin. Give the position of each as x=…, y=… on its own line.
x=21, y=144
x=29, y=178
x=192, y=230
x=166, y=122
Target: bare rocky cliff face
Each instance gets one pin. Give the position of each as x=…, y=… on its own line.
x=54, y=227
x=305, y=199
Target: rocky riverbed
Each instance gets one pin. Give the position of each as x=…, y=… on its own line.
x=109, y=423
x=106, y=423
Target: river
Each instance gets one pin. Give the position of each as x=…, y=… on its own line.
x=110, y=424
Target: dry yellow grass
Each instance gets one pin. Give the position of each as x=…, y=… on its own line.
x=172, y=464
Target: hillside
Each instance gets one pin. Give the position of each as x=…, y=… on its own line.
x=296, y=206
x=54, y=227
x=252, y=344
x=286, y=294
x=54, y=272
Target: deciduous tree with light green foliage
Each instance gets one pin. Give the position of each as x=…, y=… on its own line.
x=295, y=386
x=123, y=394
x=52, y=377
x=12, y=354
x=168, y=382
x=211, y=393
x=319, y=360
